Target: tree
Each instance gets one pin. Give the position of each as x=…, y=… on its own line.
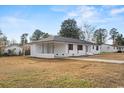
x=100, y=36
x=3, y=38
x=0, y=42
x=119, y=40
x=12, y=42
x=24, y=41
x=3, y=41
x=37, y=35
x=45, y=35
x=114, y=34
x=82, y=35
x=70, y=29
x=88, y=31
x=1, y=33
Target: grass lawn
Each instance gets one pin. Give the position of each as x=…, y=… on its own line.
x=25, y=72
x=112, y=56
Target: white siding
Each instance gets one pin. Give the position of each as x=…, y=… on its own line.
x=37, y=51
x=17, y=49
x=108, y=48
x=33, y=50
x=60, y=49
x=74, y=51
x=94, y=50
x=81, y=52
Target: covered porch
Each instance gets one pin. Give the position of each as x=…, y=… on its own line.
x=49, y=49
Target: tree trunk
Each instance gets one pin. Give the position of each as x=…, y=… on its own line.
x=23, y=50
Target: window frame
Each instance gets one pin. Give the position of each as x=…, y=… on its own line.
x=70, y=46
x=97, y=47
x=79, y=46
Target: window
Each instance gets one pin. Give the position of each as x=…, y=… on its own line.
x=70, y=46
x=97, y=47
x=80, y=47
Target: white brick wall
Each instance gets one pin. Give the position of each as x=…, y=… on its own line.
x=61, y=50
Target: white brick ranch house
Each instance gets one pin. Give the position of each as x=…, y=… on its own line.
x=55, y=47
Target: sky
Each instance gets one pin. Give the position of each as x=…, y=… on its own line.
x=16, y=20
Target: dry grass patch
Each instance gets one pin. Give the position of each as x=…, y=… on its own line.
x=33, y=72
x=112, y=56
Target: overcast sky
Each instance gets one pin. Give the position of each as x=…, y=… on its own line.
x=16, y=20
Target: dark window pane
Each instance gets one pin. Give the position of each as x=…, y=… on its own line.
x=70, y=46
x=80, y=47
x=97, y=47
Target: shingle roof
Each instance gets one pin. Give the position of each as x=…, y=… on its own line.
x=63, y=39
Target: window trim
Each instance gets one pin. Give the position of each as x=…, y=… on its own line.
x=78, y=48
x=70, y=48
x=97, y=47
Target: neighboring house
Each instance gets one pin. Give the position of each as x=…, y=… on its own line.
x=13, y=50
x=55, y=46
x=108, y=48
x=111, y=48
x=120, y=48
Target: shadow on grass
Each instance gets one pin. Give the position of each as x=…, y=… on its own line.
x=49, y=59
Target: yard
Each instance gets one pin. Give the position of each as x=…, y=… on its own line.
x=111, y=56
x=33, y=72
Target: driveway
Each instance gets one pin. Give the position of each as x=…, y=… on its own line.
x=97, y=60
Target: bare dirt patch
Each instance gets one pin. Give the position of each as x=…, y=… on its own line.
x=34, y=72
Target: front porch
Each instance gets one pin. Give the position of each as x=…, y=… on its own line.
x=50, y=49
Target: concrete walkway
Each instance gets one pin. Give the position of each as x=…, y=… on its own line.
x=98, y=60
